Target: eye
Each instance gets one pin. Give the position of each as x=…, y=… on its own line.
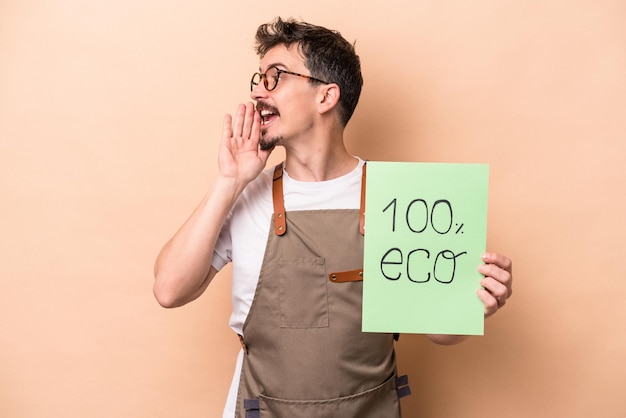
x=272, y=75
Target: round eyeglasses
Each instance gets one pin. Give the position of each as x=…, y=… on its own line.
x=271, y=77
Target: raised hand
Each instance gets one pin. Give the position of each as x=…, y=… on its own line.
x=239, y=155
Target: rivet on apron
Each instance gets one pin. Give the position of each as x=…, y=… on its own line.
x=333, y=277
x=360, y=274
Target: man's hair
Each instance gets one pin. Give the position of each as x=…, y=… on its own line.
x=328, y=56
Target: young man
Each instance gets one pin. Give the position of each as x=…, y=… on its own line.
x=285, y=230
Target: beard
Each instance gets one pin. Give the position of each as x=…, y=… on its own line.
x=269, y=142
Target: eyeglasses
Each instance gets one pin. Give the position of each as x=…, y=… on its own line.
x=271, y=77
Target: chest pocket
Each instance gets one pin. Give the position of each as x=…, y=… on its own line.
x=303, y=293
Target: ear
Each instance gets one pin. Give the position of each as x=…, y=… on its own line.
x=328, y=97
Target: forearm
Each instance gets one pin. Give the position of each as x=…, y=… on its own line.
x=444, y=339
x=183, y=267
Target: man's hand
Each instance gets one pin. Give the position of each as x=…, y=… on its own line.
x=497, y=283
x=497, y=288
x=239, y=155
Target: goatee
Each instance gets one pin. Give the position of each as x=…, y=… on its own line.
x=267, y=143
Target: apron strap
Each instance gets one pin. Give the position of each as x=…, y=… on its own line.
x=346, y=276
x=280, y=220
x=362, y=208
x=280, y=224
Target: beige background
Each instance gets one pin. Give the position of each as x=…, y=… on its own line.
x=110, y=114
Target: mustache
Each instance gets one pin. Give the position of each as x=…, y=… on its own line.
x=260, y=106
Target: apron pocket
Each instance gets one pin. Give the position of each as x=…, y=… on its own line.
x=379, y=402
x=303, y=298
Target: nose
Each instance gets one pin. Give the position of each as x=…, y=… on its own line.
x=258, y=92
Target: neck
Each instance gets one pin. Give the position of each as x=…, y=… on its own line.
x=319, y=160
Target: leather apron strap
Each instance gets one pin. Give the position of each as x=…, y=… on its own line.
x=280, y=221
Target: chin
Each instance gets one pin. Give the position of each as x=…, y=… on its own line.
x=269, y=142
x=266, y=146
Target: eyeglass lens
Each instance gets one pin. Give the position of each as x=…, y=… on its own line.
x=270, y=79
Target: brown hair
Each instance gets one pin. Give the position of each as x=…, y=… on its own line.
x=328, y=56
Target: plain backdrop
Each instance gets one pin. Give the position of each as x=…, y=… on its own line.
x=110, y=116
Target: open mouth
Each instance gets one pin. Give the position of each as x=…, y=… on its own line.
x=268, y=113
x=267, y=116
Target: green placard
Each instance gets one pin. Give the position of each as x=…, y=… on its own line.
x=425, y=232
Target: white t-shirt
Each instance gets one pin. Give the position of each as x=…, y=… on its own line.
x=244, y=236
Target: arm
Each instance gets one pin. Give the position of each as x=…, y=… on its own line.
x=183, y=267
x=496, y=289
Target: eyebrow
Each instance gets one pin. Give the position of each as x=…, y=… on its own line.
x=275, y=64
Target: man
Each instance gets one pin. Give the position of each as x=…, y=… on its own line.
x=285, y=230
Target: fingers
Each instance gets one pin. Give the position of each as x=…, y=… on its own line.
x=246, y=119
x=240, y=114
x=491, y=304
x=496, y=276
x=255, y=132
x=497, y=282
x=499, y=260
x=239, y=155
x=498, y=291
x=246, y=124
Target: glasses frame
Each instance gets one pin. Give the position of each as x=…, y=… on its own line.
x=263, y=77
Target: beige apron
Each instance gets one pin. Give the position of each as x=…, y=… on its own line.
x=305, y=355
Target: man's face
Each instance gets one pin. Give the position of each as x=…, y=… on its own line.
x=287, y=112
